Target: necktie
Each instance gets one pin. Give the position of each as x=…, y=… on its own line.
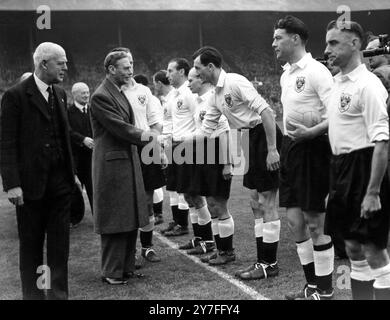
x=51, y=97
x=85, y=110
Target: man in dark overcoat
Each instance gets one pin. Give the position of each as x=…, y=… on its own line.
x=119, y=198
x=37, y=172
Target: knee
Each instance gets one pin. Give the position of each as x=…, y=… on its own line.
x=198, y=202
x=354, y=251
x=212, y=205
x=315, y=231
x=295, y=225
x=189, y=199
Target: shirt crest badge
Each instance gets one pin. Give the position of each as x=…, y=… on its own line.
x=300, y=84
x=228, y=100
x=345, y=102
x=142, y=99
x=179, y=103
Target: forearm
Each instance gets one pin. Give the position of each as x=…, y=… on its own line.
x=319, y=129
x=224, y=146
x=269, y=128
x=378, y=167
x=157, y=128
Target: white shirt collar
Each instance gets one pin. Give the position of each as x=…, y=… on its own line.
x=80, y=106
x=221, y=79
x=42, y=86
x=353, y=75
x=300, y=64
x=204, y=96
x=131, y=86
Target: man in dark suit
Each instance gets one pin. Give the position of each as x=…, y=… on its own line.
x=37, y=172
x=81, y=136
x=120, y=206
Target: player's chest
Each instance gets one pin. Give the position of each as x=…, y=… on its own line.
x=297, y=87
x=345, y=101
x=228, y=102
x=138, y=101
x=179, y=106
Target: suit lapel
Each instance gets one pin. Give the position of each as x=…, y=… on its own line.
x=120, y=98
x=37, y=98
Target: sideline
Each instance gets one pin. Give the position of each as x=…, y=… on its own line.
x=243, y=287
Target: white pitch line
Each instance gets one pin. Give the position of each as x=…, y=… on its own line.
x=243, y=287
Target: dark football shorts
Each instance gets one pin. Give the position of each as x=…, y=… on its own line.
x=258, y=177
x=207, y=179
x=152, y=174
x=349, y=178
x=179, y=171
x=304, y=173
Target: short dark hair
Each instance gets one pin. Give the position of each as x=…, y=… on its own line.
x=117, y=49
x=208, y=55
x=348, y=26
x=182, y=63
x=113, y=57
x=293, y=25
x=142, y=79
x=162, y=77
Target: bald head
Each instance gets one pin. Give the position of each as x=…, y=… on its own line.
x=47, y=51
x=80, y=93
x=50, y=62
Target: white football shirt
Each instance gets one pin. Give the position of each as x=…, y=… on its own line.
x=182, y=104
x=201, y=109
x=236, y=98
x=146, y=108
x=306, y=83
x=357, y=111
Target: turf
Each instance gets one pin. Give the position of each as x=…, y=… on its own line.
x=176, y=277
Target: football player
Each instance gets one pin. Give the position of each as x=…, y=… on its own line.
x=236, y=98
x=305, y=156
x=358, y=204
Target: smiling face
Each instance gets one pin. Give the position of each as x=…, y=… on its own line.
x=283, y=44
x=122, y=71
x=81, y=95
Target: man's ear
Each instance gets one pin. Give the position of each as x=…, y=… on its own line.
x=356, y=43
x=44, y=64
x=111, y=68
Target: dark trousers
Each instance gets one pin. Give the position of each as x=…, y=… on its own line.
x=36, y=218
x=118, y=253
x=84, y=173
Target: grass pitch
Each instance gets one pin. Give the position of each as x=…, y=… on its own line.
x=176, y=277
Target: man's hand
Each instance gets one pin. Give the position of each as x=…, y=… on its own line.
x=15, y=196
x=88, y=142
x=371, y=204
x=273, y=160
x=227, y=171
x=164, y=160
x=300, y=133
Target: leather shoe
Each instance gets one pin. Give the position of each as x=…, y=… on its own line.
x=132, y=274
